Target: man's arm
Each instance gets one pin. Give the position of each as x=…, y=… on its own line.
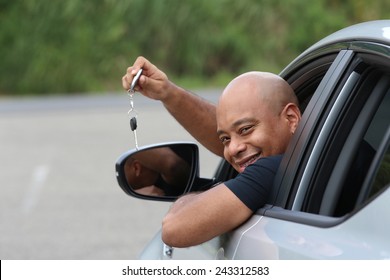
x=196, y=218
x=196, y=115
x=172, y=168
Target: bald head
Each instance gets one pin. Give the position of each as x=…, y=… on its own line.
x=263, y=87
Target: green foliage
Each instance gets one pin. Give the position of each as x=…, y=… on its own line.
x=78, y=46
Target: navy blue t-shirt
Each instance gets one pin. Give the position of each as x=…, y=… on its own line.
x=253, y=185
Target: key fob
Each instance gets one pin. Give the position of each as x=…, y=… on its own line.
x=133, y=123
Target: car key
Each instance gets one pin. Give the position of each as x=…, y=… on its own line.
x=135, y=80
x=132, y=112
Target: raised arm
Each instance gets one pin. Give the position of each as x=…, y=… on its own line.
x=195, y=114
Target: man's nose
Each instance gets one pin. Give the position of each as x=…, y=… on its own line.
x=236, y=146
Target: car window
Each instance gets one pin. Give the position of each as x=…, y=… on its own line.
x=378, y=176
x=363, y=160
x=333, y=160
x=351, y=146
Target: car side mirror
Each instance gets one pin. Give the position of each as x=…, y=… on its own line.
x=160, y=172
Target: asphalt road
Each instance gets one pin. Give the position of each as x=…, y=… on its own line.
x=59, y=198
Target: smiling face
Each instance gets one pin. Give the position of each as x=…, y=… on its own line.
x=256, y=116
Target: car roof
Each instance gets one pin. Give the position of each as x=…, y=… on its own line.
x=373, y=31
x=377, y=31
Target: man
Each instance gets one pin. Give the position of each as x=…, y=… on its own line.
x=256, y=115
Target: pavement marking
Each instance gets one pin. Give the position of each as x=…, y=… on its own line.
x=34, y=189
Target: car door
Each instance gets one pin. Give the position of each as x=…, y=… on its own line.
x=329, y=198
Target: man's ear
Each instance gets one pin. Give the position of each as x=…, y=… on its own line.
x=293, y=116
x=137, y=168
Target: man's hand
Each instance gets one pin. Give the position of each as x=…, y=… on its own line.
x=153, y=83
x=190, y=110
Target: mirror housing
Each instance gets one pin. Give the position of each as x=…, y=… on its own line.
x=162, y=172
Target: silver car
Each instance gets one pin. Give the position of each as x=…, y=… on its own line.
x=331, y=195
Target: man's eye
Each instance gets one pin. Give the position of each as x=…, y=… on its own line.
x=224, y=139
x=245, y=129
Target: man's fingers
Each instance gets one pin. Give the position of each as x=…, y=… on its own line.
x=142, y=82
x=139, y=63
x=128, y=78
x=131, y=72
x=125, y=82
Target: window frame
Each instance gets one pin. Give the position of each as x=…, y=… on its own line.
x=288, y=188
x=289, y=176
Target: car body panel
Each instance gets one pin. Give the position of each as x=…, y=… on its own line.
x=361, y=236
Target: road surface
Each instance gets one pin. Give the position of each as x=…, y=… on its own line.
x=59, y=198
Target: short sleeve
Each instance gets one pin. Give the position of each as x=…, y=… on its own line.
x=253, y=185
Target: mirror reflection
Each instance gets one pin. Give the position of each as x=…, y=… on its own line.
x=161, y=171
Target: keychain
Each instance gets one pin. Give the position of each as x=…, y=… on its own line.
x=132, y=112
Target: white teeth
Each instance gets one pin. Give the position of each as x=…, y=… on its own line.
x=252, y=160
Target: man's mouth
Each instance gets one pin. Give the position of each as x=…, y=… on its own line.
x=246, y=163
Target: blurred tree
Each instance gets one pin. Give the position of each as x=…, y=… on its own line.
x=78, y=46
